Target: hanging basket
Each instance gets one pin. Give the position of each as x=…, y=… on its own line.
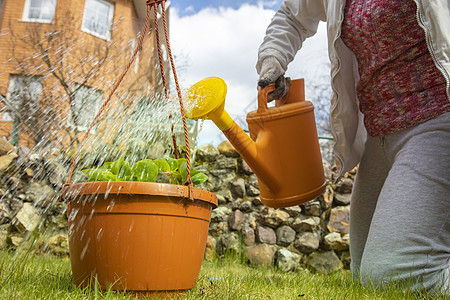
x=137, y=236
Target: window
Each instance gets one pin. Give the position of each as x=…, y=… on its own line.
x=22, y=96
x=132, y=44
x=41, y=11
x=84, y=107
x=97, y=19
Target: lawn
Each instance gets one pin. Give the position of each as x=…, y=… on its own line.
x=27, y=276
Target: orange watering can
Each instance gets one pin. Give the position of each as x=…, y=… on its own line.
x=283, y=148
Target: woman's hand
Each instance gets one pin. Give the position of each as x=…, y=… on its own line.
x=271, y=72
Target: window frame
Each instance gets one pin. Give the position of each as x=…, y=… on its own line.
x=26, y=10
x=13, y=80
x=110, y=20
x=94, y=110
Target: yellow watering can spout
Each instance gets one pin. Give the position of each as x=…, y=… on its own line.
x=206, y=100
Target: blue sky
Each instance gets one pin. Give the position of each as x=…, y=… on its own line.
x=221, y=38
x=192, y=7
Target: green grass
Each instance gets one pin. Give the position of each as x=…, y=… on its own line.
x=26, y=276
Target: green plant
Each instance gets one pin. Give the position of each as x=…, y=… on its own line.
x=146, y=170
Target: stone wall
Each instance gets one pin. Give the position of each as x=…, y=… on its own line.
x=313, y=235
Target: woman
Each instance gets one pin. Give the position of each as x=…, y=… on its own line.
x=390, y=112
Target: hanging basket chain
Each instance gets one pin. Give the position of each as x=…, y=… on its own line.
x=150, y=4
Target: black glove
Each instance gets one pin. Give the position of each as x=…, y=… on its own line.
x=271, y=72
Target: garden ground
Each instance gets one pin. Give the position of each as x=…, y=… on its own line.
x=28, y=276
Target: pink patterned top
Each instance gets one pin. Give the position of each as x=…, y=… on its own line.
x=399, y=84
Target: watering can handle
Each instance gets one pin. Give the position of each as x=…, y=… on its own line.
x=262, y=97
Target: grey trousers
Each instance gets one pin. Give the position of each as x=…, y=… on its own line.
x=400, y=208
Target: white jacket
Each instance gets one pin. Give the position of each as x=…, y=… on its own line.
x=297, y=20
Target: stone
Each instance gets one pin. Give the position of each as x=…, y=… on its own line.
x=16, y=240
x=210, y=250
x=41, y=194
x=324, y=263
x=27, y=219
x=274, y=218
x=293, y=211
x=58, y=245
x=339, y=219
x=328, y=173
x=226, y=194
x=286, y=260
x=246, y=206
x=23, y=152
x=312, y=208
x=260, y=255
x=227, y=243
x=253, y=186
x=217, y=229
x=29, y=172
x=266, y=235
x=237, y=188
x=285, y=235
x=207, y=152
x=4, y=236
x=248, y=235
x=221, y=199
x=162, y=178
x=57, y=175
x=252, y=191
x=246, y=168
x=236, y=220
x=220, y=214
x=342, y=199
x=303, y=223
x=218, y=180
x=15, y=204
x=5, y=213
x=6, y=160
x=345, y=258
x=344, y=186
x=227, y=149
x=256, y=201
x=334, y=241
x=14, y=183
x=326, y=200
x=226, y=163
x=307, y=242
x=5, y=147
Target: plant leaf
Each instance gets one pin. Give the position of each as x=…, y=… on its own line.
x=163, y=165
x=99, y=175
x=117, y=165
x=145, y=170
x=199, y=178
x=125, y=173
x=183, y=171
x=177, y=178
x=106, y=166
x=172, y=163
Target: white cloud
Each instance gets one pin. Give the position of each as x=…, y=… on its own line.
x=224, y=42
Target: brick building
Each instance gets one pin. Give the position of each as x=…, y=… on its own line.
x=59, y=60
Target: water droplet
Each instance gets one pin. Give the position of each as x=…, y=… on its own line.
x=111, y=205
x=100, y=234
x=83, y=252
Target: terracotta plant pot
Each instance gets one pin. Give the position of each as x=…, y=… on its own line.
x=137, y=236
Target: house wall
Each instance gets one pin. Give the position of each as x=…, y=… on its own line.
x=69, y=16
